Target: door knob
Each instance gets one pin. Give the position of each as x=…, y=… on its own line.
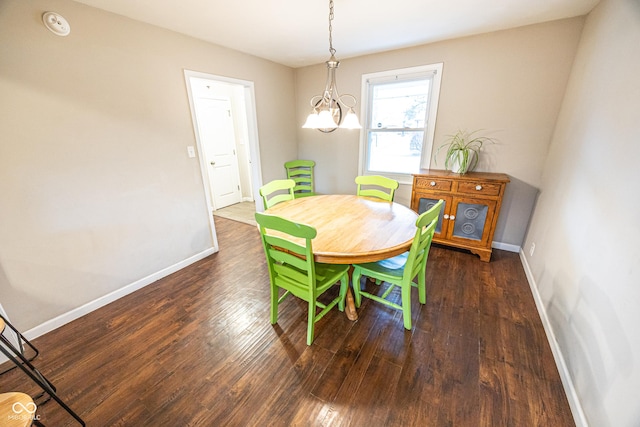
x=213, y=163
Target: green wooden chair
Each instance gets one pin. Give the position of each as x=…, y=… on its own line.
x=376, y=186
x=402, y=269
x=276, y=191
x=292, y=268
x=301, y=171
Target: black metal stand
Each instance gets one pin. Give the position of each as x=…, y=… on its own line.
x=16, y=355
x=21, y=344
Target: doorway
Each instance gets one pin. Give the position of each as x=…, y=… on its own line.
x=221, y=157
x=225, y=126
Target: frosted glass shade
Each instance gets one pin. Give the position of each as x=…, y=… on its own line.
x=351, y=121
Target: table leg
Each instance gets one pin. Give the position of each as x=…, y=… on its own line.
x=350, y=305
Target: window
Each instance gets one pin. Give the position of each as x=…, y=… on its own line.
x=400, y=116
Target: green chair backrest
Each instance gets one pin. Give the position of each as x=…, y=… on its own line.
x=301, y=171
x=276, y=191
x=426, y=227
x=376, y=186
x=289, y=262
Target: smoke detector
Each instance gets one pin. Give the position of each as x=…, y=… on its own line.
x=56, y=23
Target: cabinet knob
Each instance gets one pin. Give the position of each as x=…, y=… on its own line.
x=446, y=216
x=478, y=187
x=452, y=217
x=432, y=183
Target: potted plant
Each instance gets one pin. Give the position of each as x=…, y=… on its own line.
x=462, y=151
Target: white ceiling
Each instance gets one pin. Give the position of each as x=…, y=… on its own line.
x=296, y=32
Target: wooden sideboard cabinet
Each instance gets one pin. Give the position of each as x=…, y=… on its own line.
x=471, y=206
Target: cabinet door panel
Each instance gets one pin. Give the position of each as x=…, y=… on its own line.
x=425, y=203
x=469, y=221
x=472, y=220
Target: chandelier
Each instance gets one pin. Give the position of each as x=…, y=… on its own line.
x=328, y=109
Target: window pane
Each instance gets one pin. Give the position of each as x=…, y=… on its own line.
x=401, y=111
x=398, y=152
x=400, y=104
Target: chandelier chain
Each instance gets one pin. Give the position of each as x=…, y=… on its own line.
x=332, y=51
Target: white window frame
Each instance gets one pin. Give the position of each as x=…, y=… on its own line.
x=434, y=94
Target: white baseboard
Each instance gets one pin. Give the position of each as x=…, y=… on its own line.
x=67, y=317
x=506, y=247
x=569, y=389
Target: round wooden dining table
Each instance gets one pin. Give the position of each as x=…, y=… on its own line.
x=352, y=229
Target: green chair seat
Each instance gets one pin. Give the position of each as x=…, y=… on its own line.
x=400, y=270
x=293, y=270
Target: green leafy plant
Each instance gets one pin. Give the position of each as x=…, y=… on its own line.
x=462, y=151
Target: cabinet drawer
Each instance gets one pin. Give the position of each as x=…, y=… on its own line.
x=479, y=187
x=433, y=184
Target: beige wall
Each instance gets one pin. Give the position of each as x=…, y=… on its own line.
x=97, y=189
x=585, y=226
x=509, y=83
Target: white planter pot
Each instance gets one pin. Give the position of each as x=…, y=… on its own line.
x=458, y=161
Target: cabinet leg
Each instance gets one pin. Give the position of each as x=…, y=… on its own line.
x=485, y=255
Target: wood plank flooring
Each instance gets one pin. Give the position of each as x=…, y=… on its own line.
x=197, y=349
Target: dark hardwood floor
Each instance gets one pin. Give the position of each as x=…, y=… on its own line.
x=197, y=349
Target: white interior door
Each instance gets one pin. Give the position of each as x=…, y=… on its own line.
x=217, y=136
